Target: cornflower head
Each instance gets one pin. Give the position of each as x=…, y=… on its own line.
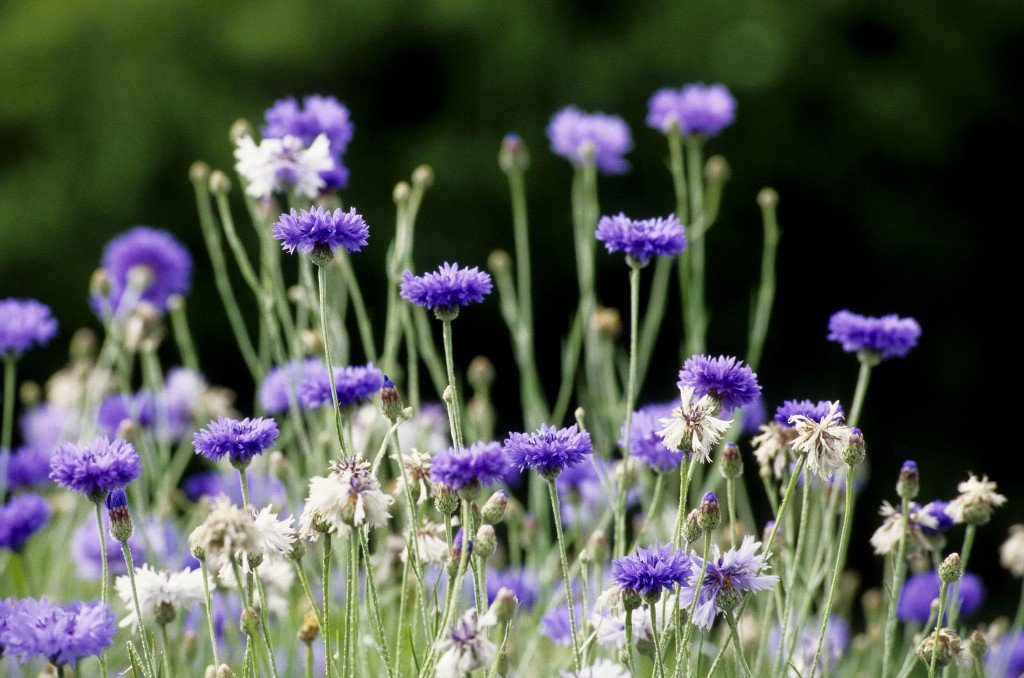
x=466, y=648
x=162, y=593
x=149, y=258
x=349, y=496
x=418, y=470
x=284, y=164
x=20, y=518
x=119, y=409
x=976, y=501
x=581, y=137
x=875, y=339
x=352, y=383
x=319, y=232
x=61, y=634
x=318, y=115
x=548, y=450
x=446, y=290
x=281, y=384
x=696, y=108
x=694, y=426
x=823, y=440
x=431, y=543
x=228, y=533
x=915, y=600
x=274, y=537
x=1011, y=552
x=645, y=445
x=29, y=466
x=641, y=239
x=652, y=570
x=24, y=323
x=735, y=571
x=921, y=524
x=469, y=468
x=95, y=468
x=240, y=440
x=724, y=379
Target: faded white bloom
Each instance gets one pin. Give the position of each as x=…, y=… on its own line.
x=431, y=544
x=348, y=497
x=887, y=537
x=274, y=537
x=162, y=594
x=227, y=532
x=772, y=447
x=1011, y=553
x=466, y=648
x=417, y=468
x=978, y=497
x=610, y=626
x=602, y=668
x=693, y=426
x=823, y=441
x=281, y=164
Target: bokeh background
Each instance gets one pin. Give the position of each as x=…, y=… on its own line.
x=882, y=125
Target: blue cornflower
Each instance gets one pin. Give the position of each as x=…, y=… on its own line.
x=522, y=582
x=886, y=337
x=725, y=379
x=642, y=239
x=20, y=518
x=119, y=408
x=577, y=136
x=645, y=445
x=282, y=383
x=62, y=634
x=96, y=468
x=697, y=109
x=915, y=601
x=319, y=115
x=815, y=411
x=470, y=467
x=319, y=232
x=548, y=450
x=29, y=466
x=240, y=440
x=937, y=511
x=45, y=424
x=556, y=624
x=165, y=262
x=24, y=323
x=446, y=290
x=352, y=384
x=652, y=570
x=736, y=570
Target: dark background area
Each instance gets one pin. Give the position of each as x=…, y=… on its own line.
x=881, y=125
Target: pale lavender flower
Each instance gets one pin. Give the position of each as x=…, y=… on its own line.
x=318, y=115
x=887, y=337
x=62, y=634
x=24, y=323
x=166, y=264
x=741, y=569
x=466, y=648
x=641, y=239
x=697, y=109
x=446, y=290
x=577, y=136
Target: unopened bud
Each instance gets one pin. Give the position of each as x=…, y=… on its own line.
x=199, y=172
x=608, y=322
x=728, y=597
x=597, y=544
x=486, y=541
x=240, y=128
x=767, y=197
x=401, y=192
x=853, y=453
x=692, y=530
x=716, y=169
x=944, y=645
x=390, y=402
x=310, y=628
x=631, y=599
x=977, y=645
x=423, y=176
x=278, y=464
x=99, y=283
x=29, y=393
x=224, y=671
x=505, y=604
x=513, y=156
x=499, y=261
x=494, y=508
x=250, y=622
x=298, y=549
x=83, y=343
x=951, y=568
x=220, y=183
x=445, y=499
x=908, y=483
x=120, y=521
x=732, y=462
x=480, y=373
x=710, y=512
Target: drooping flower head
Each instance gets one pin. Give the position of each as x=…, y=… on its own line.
x=319, y=232
x=822, y=440
x=150, y=257
x=95, y=468
x=240, y=440
x=693, y=426
x=887, y=337
x=24, y=323
x=352, y=384
x=20, y=518
x=480, y=464
x=641, y=239
x=61, y=634
x=446, y=290
x=288, y=163
x=696, y=108
x=548, y=450
x=915, y=601
x=737, y=570
x=281, y=384
x=725, y=379
x=466, y=648
x=318, y=115
x=645, y=445
x=652, y=570
x=578, y=136
x=162, y=593
x=350, y=496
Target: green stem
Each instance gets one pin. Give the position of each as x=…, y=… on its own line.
x=493, y=673
x=556, y=511
x=454, y=406
x=265, y=626
x=182, y=333
x=143, y=634
x=659, y=665
x=899, y=570
x=693, y=605
x=736, y=645
x=965, y=554
x=678, y=170
x=730, y=500
x=622, y=491
x=863, y=377
x=371, y=586
x=766, y=289
x=451, y=596
x=695, y=247
x=6, y=430
x=166, y=653
x=325, y=620
x=209, y=610
x=943, y=589
x=686, y=468
x=309, y=660
x=322, y=283
x=104, y=584
x=245, y=486
x=843, y=537
x=652, y=510
x=653, y=316
x=629, y=642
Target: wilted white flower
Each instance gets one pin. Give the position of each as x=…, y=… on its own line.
x=887, y=536
x=466, y=648
x=1011, y=553
x=348, y=497
x=281, y=164
x=227, y=532
x=274, y=537
x=162, y=594
x=772, y=446
x=693, y=426
x=417, y=468
x=976, y=501
x=823, y=441
x=431, y=544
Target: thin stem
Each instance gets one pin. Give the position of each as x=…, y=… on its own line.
x=374, y=604
x=730, y=500
x=309, y=660
x=899, y=569
x=843, y=537
x=325, y=620
x=144, y=636
x=556, y=511
x=655, y=313
x=166, y=653
x=652, y=510
x=943, y=589
x=686, y=468
x=659, y=666
x=629, y=642
x=209, y=610
x=265, y=626
x=965, y=554
x=634, y=315
x=10, y=379
x=322, y=283
x=358, y=305
x=104, y=585
x=245, y=486
x=693, y=605
x=454, y=406
x=182, y=334
x=493, y=673
x=736, y=645
x=451, y=597
x=766, y=288
x=863, y=377
x=695, y=247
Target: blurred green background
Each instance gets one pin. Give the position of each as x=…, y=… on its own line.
x=881, y=125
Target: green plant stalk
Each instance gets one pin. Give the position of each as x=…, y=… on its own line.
x=695, y=247
x=798, y=558
x=863, y=377
x=899, y=571
x=585, y=211
x=428, y=350
x=104, y=583
x=451, y=596
x=378, y=621
x=309, y=660
x=265, y=626
x=736, y=644
x=6, y=429
x=730, y=500
x=631, y=387
x=556, y=511
x=166, y=655
x=322, y=283
x=208, y=608
x=629, y=642
x=358, y=305
x=684, y=646
x=143, y=634
x=325, y=620
x=493, y=672
x=653, y=316
x=766, y=289
x=659, y=665
x=834, y=587
x=454, y=406
x=943, y=589
x=570, y=364
x=183, y=335
x=686, y=467
x=965, y=554
x=413, y=547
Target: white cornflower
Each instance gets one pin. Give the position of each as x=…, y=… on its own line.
x=431, y=544
x=227, y=532
x=1011, y=553
x=466, y=648
x=693, y=426
x=602, y=668
x=281, y=164
x=348, y=497
x=887, y=536
x=772, y=447
x=417, y=467
x=274, y=537
x=609, y=625
x=976, y=500
x=161, y=593
x=823, y=441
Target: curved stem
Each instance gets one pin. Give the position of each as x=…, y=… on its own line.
x=730, y=500
x=10, y=379
x=686, y=467
x=863, y=377
x=207, y=603
x=454, y=406
x=264, y=626
x=634, y=315
x=144, y=636
x=693, y=605
x=556, y=510
x=943, y=589
x=659, y=666
x=843, y=537
x=245, y=486
x=322, y=283
x=965, y=554
x=899, y=569
x=736, y=645
x=371, y=586
x=325, y=620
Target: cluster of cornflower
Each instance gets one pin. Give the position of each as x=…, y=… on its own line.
x=367, y=524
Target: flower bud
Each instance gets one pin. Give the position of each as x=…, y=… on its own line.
x=505, y=604
x=716, y=169
x=486, y=541
x=99, y=283
x=909, y=483
x=977, y=645
x=240, y=128
x=951, y=568
x=220, y=184
x=310, y=628
x=390, y=401
x=513, y=156
x=199, y=172
x=692, y=530
x=121, y=527
x=401, y=192
x=767, y=197
x=423, y=176
x=165, y=613
x=945, y=645
x=480, y=373
x=250, y=622
x=853, y=453
x=224, y=671
x=729, y=597
x=631, y=599
x=597, y=545
x=710, y=512
x=494, y=508
x=298, y=549
x=608, y=322
x=445, y=499
x=731, y=464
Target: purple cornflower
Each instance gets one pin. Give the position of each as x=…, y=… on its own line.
x=548, y=450
x=556, y=624
x=937, y=511
x=24, y=323
x=319, y=232
x=240, y=440
x=915, y=601
x=166, y=263
x=754, y=416
x=319, y=115
x=697, y=109
x=119, y=408
x=20, y=518
x=578, y=136
x=645, y=445
x=470, y=467
x=642, y=239
x=738, y=569
x=652, y=570
x=725, y=379
x=886, y=337
x=815, y=411
x=95, y=468
x=282, y=383
x=444, y=291
x=522, y=582
x=29, y=466
x=352, y=384
x=62, y=634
